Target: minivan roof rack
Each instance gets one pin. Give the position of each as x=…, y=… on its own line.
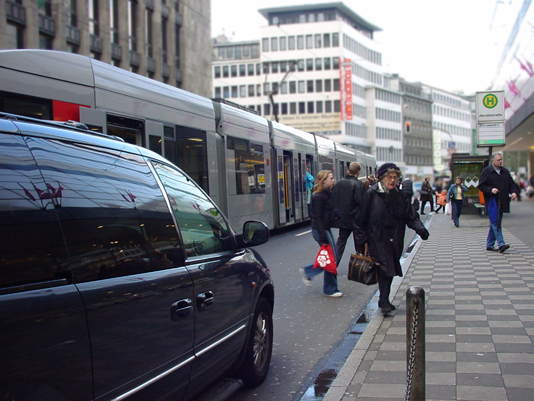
x=71, y=124
x=237, y=106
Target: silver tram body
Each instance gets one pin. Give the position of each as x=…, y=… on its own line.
x=252, y=167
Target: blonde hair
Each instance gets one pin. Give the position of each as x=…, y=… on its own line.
x=320, y=179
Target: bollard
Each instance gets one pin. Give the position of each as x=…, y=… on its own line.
x=415, y=344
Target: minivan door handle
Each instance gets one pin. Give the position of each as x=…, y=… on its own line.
x=181, y=308
x=205, y=299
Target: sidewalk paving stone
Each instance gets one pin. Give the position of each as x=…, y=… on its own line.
x=479, y=323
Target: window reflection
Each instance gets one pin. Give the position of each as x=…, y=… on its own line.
x=31, y=247
x=204, y=230
x=249, y=166
x=113, y=215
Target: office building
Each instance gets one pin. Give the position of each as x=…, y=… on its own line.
x=167, y=40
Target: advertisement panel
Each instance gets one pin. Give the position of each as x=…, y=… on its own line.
x=312, y=122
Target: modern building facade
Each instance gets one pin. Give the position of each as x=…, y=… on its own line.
x=315, y=65
x=451, y=124
x=167, y=40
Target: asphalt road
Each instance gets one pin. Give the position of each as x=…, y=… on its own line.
x=307, y=325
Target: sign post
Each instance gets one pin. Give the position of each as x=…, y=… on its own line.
x=490, y=119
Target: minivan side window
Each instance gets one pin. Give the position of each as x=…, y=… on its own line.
x=114, y=217
x=31, y=247
x=204, y=230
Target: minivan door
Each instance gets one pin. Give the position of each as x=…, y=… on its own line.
x=222, y=276
x=126, y=259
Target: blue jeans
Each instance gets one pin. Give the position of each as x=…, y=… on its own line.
x=495, y=233
x=330, y=280
x=456, y=211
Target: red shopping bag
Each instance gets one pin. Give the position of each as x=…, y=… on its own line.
x=325, y=259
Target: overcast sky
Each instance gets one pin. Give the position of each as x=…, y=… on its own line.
x=447, y=44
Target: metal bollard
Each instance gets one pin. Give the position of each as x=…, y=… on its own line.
x=415, y=344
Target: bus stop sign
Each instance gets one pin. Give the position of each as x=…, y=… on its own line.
x=490, y=118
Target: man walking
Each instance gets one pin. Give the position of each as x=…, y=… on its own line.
x=497, y=185
x=347, y=200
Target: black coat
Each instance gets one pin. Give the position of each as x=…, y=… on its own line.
x=347, y=199
x=387, y=215
x=322, y=213
x=426, y=191
x=503, y=182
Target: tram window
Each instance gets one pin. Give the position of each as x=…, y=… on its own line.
x=171, y=151
x=29, y=106
x=249, y=166
x=204, y=230
x=113, y=216
x=192, y=154
x=131, y=130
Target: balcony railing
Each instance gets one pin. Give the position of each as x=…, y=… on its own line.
x=96, y=44
x=47, y=25
x=165, y=70
x=73, y=35
x=150, y=64
x=135, y=59
x=116, y=51
x=15, y=12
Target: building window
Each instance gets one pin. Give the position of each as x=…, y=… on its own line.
x=217, y=91
x=164, y=42
x=319, y=106
x=251, y=90
x=114, y=20
x=302, y=87
x=326, y=63
x=283, y=43
x=15, y=36
x=327, y=85
x=148, y=33
x=266, y=109
x=292, y=108
x=309, y=64
x=132, y=24
x=258, y=90
x=300, y=65
x=318, y=41
x=250, y=69
x=318, y=64
x=242, y=70
x=242, y=91
x=336, y=106
x=335, y=39
x=300, y=42
x=310, y=108
x=318, y=85
x=225, y=71
x=309, y=86
x=328, y=106
x=274, y=44
x=233, y=70
x=326, y=40
x=93, y=17
x=336, y=84
x=292, y=87
x=291, y=43
x=284, y=108
x=309, y=41
x=274, y=67
x=335, y=63
x=302, y=108
x=265, y=44
x=226, y=92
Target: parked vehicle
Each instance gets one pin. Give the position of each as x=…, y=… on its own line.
x=251, y=167
x=120, y=278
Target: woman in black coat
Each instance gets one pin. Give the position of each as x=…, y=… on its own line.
x=426, y=195
x=323, y=217
x=387, y=213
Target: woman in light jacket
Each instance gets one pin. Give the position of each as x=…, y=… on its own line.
x=456, y=195
x=322, y=216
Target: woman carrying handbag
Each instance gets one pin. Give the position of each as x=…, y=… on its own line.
x=387, y=213
x=322, y=216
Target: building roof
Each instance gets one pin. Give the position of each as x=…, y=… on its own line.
x=321, y=6
x=241, y=43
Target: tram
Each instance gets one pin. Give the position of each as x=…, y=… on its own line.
x=253, y=168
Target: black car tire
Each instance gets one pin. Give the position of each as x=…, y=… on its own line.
x=259, y=349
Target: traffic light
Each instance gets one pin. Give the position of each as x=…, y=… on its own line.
x=408, y=125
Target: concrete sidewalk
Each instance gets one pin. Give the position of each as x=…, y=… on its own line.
x=479, y=323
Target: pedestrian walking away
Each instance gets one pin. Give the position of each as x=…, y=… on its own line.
x=426, y=195
x=347, y=198
x=498, y=187
x=323, y=217
x=387, y=213
x=456, y=195
x=441, y=200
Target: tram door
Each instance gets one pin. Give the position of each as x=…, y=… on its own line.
x=288, y=187
x=280, y=186
x=299, y=187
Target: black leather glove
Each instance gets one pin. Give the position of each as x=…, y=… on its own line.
x=424, y=234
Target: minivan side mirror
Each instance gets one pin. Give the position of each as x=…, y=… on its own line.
x=254, y=233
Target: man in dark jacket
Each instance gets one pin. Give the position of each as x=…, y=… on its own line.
x=497, y=185
x=347, y=197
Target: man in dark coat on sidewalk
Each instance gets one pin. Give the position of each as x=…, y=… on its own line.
x=347, y=198
x=498, y=186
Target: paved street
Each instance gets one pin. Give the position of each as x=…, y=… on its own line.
x=479, y=319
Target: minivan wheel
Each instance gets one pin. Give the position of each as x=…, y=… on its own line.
x=259, y=346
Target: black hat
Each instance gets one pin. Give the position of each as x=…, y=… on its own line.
x=385, y=168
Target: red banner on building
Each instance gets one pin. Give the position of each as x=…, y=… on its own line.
x=345, y=89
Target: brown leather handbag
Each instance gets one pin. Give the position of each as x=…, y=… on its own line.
x=362, y=268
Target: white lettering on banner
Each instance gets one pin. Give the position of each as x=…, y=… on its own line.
x=347, y=83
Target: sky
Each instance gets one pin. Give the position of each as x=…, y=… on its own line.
x=453, y=45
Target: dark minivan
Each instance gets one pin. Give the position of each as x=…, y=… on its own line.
x=119, y=278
